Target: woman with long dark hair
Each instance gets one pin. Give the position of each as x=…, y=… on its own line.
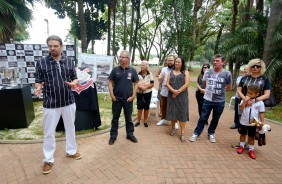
x=177, y=101
x=201, y=89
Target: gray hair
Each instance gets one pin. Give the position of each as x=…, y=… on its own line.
x=219, y=56
x=56, y=38
x=145, y=62
x=126, y=52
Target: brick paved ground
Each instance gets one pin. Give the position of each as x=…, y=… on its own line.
x=156, y=158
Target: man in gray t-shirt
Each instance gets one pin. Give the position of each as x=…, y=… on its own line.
x=216, y=84
x=217, y=81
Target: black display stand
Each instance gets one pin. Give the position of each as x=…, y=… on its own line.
x=16, y=107
x=87, y=111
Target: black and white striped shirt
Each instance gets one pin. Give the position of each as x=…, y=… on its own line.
x=56, y=93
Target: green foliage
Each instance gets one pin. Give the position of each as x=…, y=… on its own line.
x=93, y=14
x=14, y=15
x=21, y=34
x=242, y=44
x=274, y=113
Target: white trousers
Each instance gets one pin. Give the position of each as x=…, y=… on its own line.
x=51, y=118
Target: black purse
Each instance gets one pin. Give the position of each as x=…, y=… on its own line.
x=270, y=102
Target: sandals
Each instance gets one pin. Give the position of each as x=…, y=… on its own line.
x=182, y=138
x=173, y=131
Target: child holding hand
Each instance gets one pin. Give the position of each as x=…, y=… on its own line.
x=250, y=114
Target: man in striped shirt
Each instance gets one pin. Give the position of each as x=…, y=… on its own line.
x=55, y=76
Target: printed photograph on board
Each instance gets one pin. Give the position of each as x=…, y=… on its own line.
x=100, y=69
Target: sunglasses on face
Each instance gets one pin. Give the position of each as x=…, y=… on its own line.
x=205, y=67
x=256, y=66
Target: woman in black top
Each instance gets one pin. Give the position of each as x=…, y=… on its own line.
x=201, y=89
x=256, y=77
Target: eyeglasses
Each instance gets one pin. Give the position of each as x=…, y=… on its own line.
x=205, y=67
x=256, y=66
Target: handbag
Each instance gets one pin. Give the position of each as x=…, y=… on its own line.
x=270, y=102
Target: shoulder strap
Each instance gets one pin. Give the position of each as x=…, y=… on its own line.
x=250, y=115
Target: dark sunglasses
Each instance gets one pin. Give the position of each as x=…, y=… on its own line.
x=256, y=66
x=205, y=67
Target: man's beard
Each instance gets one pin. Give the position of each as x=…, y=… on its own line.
x=170, y=66
x=54, y=53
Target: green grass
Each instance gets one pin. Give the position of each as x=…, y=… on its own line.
x=274, y=113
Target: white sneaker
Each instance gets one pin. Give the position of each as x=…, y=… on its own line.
x=212, y=138
x=193, y=138
x=176, y=126
x=163, y=121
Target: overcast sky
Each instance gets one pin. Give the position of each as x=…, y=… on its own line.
x=60, y=27
x=38, y=27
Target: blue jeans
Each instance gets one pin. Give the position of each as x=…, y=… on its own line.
x=116, y=110
x=208, y=106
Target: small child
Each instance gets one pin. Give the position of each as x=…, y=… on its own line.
x=249, y=114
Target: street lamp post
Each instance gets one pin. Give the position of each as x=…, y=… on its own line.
x=47, y=26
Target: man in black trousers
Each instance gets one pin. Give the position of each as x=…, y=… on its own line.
x=121, y=82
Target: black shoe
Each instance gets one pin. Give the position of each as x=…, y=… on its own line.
x=146, y=124
x=263, y=141
x=260, y=140
x=132, y=138
x=137, y=124
x=112, y=141
x=234, y=126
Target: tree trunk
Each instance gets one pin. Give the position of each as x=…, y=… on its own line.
x=109, y=28
x=218, y=39
x=124, y=43
x=137, y=8
x=131, y=26
x=114, y=27
x=178, y=31
x=249, y=6
x=197, y=6
x=260, y=25
x=234, y=15
x=274, y=19
x=91, y=9
x=82, y=26
x=233, y=28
